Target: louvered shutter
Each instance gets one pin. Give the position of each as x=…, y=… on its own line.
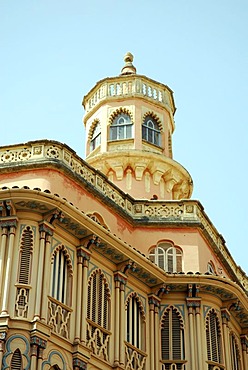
x=25, y=257
x=16, y=360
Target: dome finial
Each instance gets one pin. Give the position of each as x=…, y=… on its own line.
x=128, y=68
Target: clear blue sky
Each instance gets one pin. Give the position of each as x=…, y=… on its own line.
x=53, y=51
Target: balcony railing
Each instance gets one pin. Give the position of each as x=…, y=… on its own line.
x=135, y=358
x=59, y=317
x=98, y=339
x=174, y=365
x=136, y=86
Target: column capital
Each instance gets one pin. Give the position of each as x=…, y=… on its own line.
x=225, y=315
x=154, y=300
x=37, y=341
x=83, y=252
x=8, y=221
x=244, y=341
x=79, y=364
x=46, y=227
x=119, y=276
x=193, y=302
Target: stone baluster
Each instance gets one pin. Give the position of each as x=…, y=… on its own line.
x=225, y=320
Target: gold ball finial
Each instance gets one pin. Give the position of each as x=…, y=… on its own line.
x=128, y=68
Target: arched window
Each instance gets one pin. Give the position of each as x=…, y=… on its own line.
x=96, y=137
x=151, y=131
x=26, y=249
x=16, y=360
x=213, y=336
x=135, y=333
x=167, y=257
x=135, y=322
x=98, y=314
x=210, y=268
x=121, y=127
x=235, y=356
x=172, y=339
x=61, y=276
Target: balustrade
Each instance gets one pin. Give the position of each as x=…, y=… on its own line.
x=98, y=339
x=137, y=86
x=59, y=317
x=135, y=358
x=175, y=365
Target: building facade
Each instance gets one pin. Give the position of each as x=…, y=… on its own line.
x=108, y=263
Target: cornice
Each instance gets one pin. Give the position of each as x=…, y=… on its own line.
x=49, y=155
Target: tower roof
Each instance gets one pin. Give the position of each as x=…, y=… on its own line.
x=128, y=68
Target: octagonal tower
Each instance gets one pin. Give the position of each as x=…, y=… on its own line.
x=129, y=121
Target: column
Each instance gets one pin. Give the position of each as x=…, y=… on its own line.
x=33, y=356
x=244, y=344
x=48, y=229
x=122, y=322
x=2, y=343
x=86, y=256
x=225, y=319
x=5, y=301
x=154, y=331
x=117, y=319
x=4, y=236
x=79, y=293
x=157, y=334
x=191, y=336
x=198, y=335
x=37, y=310
x=37, y=348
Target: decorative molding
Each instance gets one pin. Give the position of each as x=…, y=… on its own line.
x=185, y=212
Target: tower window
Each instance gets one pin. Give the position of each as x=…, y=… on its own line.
x=151, y=131
x=96, y=137
x=121, y=127
x=167, y=257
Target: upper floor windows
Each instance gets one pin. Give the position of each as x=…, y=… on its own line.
x=213, y=335
x=167, y=256
x=96, y=137
x=26, y=249
x=61, y=276
x=151, y=131
x=98, y=314
x=135, y=322
x=235, y=355
x=121, y=127
x=172, y=338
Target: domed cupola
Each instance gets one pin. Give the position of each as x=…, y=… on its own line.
x=129, y=121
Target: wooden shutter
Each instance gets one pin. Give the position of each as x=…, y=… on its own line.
x=16, y=361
